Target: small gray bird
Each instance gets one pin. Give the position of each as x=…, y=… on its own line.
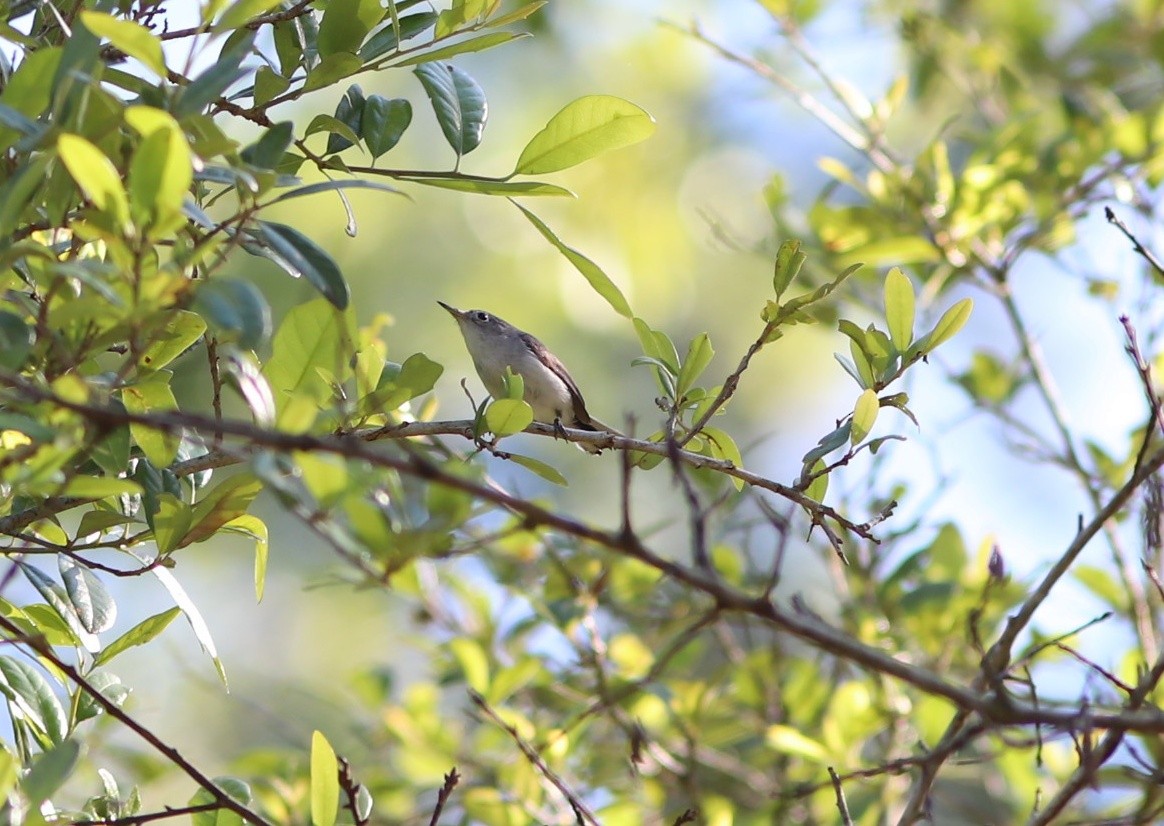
x=495, y=344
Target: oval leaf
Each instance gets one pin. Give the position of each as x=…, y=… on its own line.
x=949, y=324
x=864, y=416
x=299, y=255
x=899, y=309
x=324, y=781
x=584, y=129
x=459, y=104
x=384, y=123
x=508, y=416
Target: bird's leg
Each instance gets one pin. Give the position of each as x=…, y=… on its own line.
x=559, y=431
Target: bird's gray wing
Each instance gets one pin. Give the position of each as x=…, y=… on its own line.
x=555, y=364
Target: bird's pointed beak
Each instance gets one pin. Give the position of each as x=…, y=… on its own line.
x=453, y=311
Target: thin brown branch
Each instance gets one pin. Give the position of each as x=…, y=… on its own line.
x=451, y=781
x=581, y=811
x=842, y=804
x=222, y=800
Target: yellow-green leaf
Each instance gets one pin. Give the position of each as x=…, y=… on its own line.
x=899, y=308
x=507, y=416
x=599, y=280
x=127, y=36
x=325, y=788
x=583, y=129
x=949, y=324
x=95, y=175
x=864, y=416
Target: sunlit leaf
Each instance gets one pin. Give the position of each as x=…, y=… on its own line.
x=583, y=129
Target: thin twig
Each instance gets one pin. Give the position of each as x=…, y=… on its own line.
x=451, y=781
x=842, y=804
x=580, y=809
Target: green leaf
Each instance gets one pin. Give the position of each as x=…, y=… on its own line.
x=473, y=44
x=547, y=472
x=211, y=84
x=346, y=23
x=415, y=377
x=140, y=634
x=864, y=416
x=899, y=309
x=95, y=175
x=299, y=255
x=699, y=355
x=384, y=123
x=480, y=187
x=228, y=501
x=827, y=444
x=170, y=522
x=182, y=330
x=310, y=337
x=55, y=596
x=237, y=311
x=242, y=11
x=584, y=129
x=127, y=36
x=267, y=151
x=819, y=485
x=28, y=690
x=948, y=325
x=92, y=603
x=16, y=339
x=234, y=788
x=790, y=740
x=459, y=104
x=333, y=68
x=505, y=417
x=599, y=280
x=152, y=394
x=49, y=773
x=386, y=40
x=520, y=13
x=256, y=529
x=724, y=446
x=325, y=788
x=350, y=112
x=910, y=249
x=160, y=175
x=269, y=84
x=789, y=260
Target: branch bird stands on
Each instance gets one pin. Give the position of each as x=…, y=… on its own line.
x=495, y=345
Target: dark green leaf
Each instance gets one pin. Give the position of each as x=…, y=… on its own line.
x=299, y=255
x=384, y=123
x=385, y=40
x=236, y=310
x=459, y=104
x=15, y=341
x=267, y=151
x=473, y=44
x=333, y=186
x=349, y=111
x=211, y=84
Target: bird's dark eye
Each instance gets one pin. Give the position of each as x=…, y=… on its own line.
x=481, y=316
